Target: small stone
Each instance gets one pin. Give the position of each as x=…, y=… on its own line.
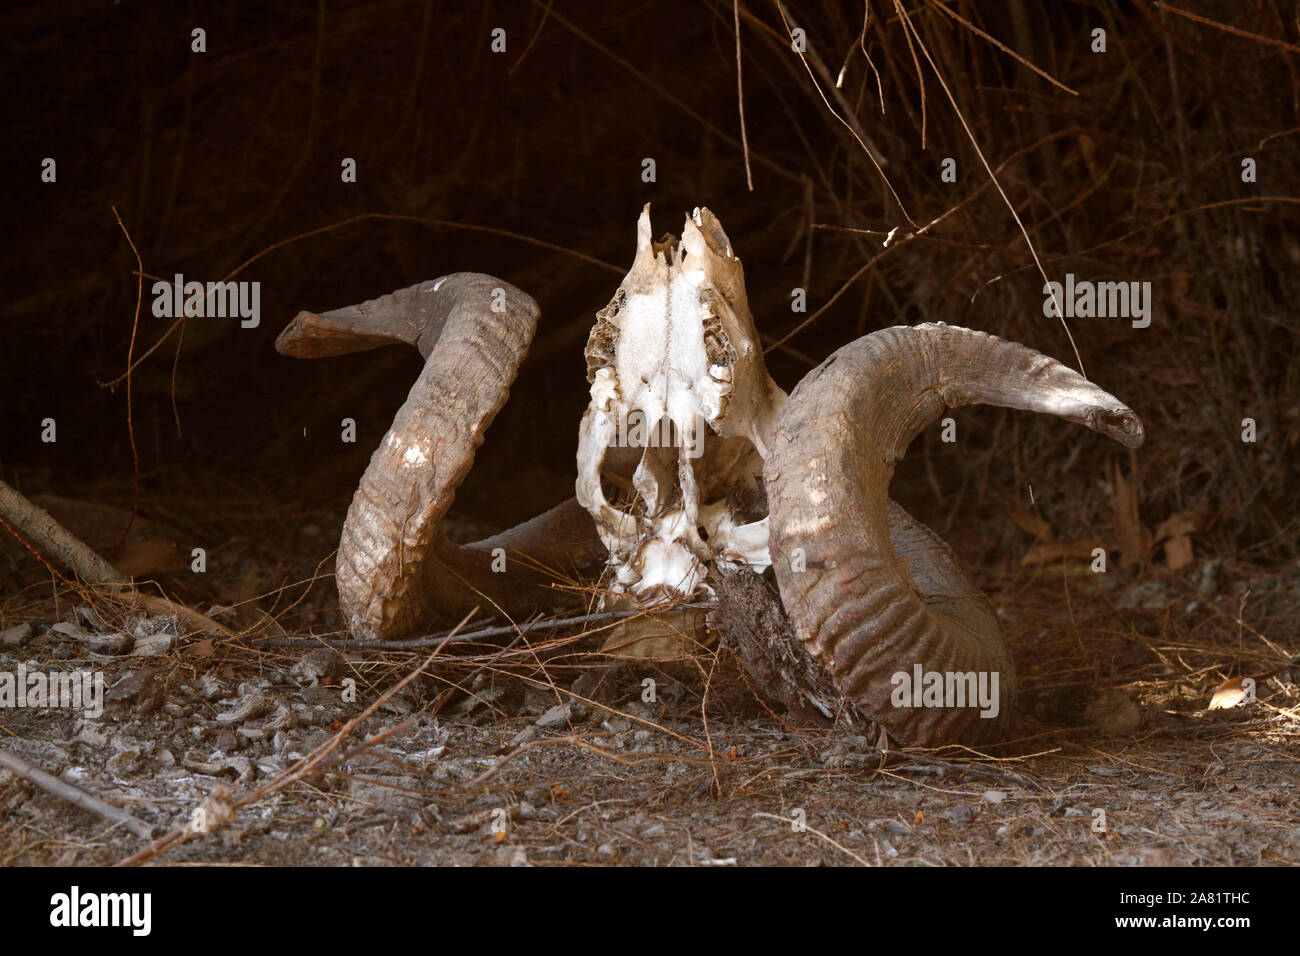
x=560, y=715
x=136, y=685
x=89, y=616
x=271, y=766
x=994, y=796
x=391, y=793
x=153, y=644
x=962, y=813
x=1149, y=595
x=320, y=663
x=16, y=636
x=111, y=643
x=524, y=736
x=1207, y=581
x=92, y=736
x=505, y=854
x=124, y=762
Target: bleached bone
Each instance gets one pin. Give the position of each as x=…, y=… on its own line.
x=677, y=344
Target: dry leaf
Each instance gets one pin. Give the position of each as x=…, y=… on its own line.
x=1133, y=538
x=1035, y=525
x=663, y=636
x=1175, y=532
x=1048, y=552
x=1230, y=693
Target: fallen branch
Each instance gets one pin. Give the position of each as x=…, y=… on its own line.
x=74, y=795
x=37, y=529
x=30, y=523
x=431, y=640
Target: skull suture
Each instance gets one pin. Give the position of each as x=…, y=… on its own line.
x=675, y=356
x=691, y=458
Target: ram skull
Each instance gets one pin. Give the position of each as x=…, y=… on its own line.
x=692, y=461
x=677, y=375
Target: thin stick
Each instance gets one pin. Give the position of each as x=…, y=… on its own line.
x=545, y=13
x=74, y=795
x=740, y=98
x=1004, y=48
x=1235, y=31
x=429, y=640
x=817, y=833
x=667, y=96
x=130, y=422
x=975, y=770
x=851, y=123
x=908, y=27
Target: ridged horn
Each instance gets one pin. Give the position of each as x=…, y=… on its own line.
x=880, y=593
x=395, y=571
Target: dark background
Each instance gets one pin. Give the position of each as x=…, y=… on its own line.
x=213, y=158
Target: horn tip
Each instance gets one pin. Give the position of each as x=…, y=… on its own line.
x=1121, y=424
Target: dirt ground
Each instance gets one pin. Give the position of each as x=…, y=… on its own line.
x=551, y=753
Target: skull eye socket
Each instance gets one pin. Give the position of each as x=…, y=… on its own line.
x=718, y=349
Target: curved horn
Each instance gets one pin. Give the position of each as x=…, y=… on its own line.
x=882, y=593
x=395, y=569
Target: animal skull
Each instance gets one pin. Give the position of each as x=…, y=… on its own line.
x=675, y=353
x=690, y=458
